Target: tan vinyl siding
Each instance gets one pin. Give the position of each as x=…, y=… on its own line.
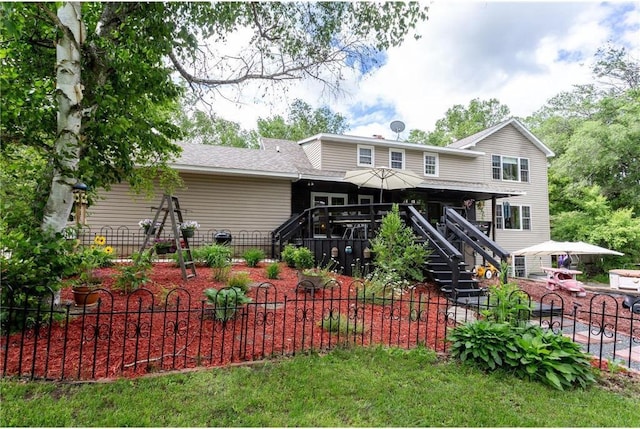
x=314, y=152
x=341, y=156
x=509, y=142
x=231, y=203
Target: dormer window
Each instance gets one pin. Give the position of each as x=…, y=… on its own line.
x=365, y=156
x=396, y=159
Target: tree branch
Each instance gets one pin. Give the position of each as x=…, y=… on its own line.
x=54, y=18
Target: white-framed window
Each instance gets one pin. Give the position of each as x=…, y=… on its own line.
x=328, y=199
x=366, y=156
x=430, y=164
x=519, y=266
x=396, y=159
x=510, y=168
x=509, y=216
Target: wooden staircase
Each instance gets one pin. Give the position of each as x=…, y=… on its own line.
x=439, y=271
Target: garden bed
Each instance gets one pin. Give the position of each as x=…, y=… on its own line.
x=169, y=325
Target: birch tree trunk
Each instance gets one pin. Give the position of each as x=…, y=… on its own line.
x=69, y=98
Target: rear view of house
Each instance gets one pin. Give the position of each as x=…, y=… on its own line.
x=496, y=178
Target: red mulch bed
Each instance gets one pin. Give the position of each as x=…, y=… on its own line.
x=169, y=326
x=596, y=302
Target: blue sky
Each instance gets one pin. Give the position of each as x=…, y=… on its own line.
x=522, y=53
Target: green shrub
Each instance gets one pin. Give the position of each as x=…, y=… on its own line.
x=137, y=274
x=288, y=255
x=240, y=280
x=395, y=249
x=303, y=258
x=527, y=351
x=218, y=257
x=226, y=301
x=253, y=257
x=273, y=270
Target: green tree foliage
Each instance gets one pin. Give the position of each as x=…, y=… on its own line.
x=303, y=121
x=594, y=180
x=211, y=129
x=461, y=121
x=605, y=150
x=593, y=220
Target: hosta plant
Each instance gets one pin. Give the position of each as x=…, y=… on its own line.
x=226, y=301
x=527, y=351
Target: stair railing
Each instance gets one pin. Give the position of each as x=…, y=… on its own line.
x=446, y=250
x=474, y=237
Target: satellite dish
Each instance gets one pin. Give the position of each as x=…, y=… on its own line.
x=397, y=127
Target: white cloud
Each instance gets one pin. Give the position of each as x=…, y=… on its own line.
x=521, y=53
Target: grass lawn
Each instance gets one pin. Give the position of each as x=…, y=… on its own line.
x=356, y=387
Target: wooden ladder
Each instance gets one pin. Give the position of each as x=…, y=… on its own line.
x=170, y=208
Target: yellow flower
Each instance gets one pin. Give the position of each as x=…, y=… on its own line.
x=100, y=240
x=108, y=250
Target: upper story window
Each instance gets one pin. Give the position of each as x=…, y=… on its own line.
x=396, y=159
x=430, y=164
x=365, y=156
x=510, y=168
x=513, y=217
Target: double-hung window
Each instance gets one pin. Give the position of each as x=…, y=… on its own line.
x=510, y=168
x=365, y=156
x=396, y=159
x=430, y=164
x=510, y=216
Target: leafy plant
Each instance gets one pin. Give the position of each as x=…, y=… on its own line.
x=396, y=251
x=381, y=287
x=88, y=258
x=135, y=275
x=253, y=257
x=218, y=257
x=288, y=255
x=303, y=258
x=226, y=301
x=273, y=270
x=527, y=351
x=507, y=304
x=240, y=280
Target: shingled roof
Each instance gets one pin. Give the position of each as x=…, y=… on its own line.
x=472, y=140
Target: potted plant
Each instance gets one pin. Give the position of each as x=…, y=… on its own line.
x=147, y=224
x=89, y=259
x=188, y=228
x=165, y=246
x=226, y=301
x=312, y=277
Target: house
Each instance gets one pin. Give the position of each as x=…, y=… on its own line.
x=497, y=175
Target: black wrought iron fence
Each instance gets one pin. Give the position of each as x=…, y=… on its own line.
x=126, y=241
x=144, y=332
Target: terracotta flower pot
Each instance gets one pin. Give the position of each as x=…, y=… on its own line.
x=85, y=296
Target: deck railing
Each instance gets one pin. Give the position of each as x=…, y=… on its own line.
x=142, y=332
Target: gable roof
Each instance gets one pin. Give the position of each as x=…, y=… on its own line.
x=472, y=140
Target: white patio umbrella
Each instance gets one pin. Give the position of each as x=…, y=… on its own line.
x=383, y=178
x=552, y=247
